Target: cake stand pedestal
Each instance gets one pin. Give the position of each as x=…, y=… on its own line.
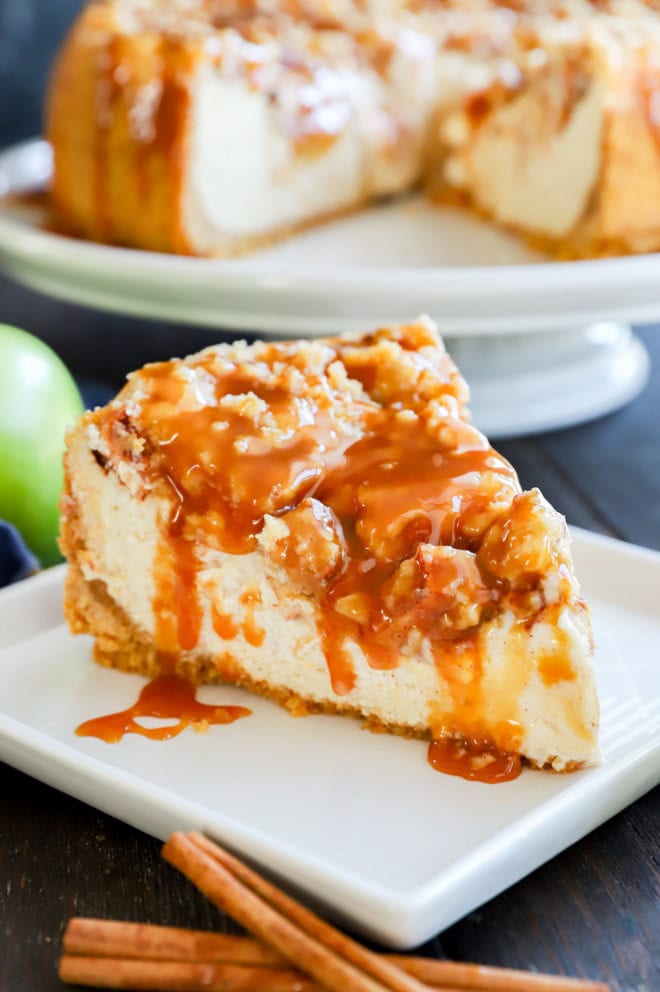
x=522, y=384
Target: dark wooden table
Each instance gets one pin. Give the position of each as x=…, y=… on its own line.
x=593, y=911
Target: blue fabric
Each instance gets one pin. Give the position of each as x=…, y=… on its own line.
x=16, y=560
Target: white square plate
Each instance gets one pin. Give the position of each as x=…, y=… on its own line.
x=358, y=821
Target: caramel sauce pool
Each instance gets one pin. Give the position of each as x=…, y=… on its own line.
x=166, y=697
x=476, y=760
x=386, y=486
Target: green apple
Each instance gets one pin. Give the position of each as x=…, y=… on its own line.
x=38, y=401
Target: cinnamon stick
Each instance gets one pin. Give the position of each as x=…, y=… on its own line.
x=488, y=979
x=114, y=938
x=229, y=883
x=177, y=976
x=391, y=975
x=149, y=942
x=233, y=897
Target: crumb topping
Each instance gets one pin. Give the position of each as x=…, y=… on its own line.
x=350, y=465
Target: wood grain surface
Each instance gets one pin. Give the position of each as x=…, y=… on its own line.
x=593, y=910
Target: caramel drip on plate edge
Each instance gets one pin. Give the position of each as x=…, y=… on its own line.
x=386, y=490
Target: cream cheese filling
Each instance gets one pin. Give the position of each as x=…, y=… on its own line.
x=510, y=165
x=244, y=175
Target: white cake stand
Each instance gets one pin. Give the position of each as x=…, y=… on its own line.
x=543, y=344
x=528, y=384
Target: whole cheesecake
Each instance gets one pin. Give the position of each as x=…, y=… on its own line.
x=208, y=127
x=319, y=522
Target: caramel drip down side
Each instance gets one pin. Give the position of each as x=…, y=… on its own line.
x=108, y=92
x=141, y=123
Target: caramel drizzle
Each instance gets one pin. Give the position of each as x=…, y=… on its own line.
x=166, y=698
x=252, y=632
x=155, y=163
x=372, y=480
x=389, y=476
x=108, y=92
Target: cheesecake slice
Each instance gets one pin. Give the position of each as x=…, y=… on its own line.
x=566, y=147
x=319, y=522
